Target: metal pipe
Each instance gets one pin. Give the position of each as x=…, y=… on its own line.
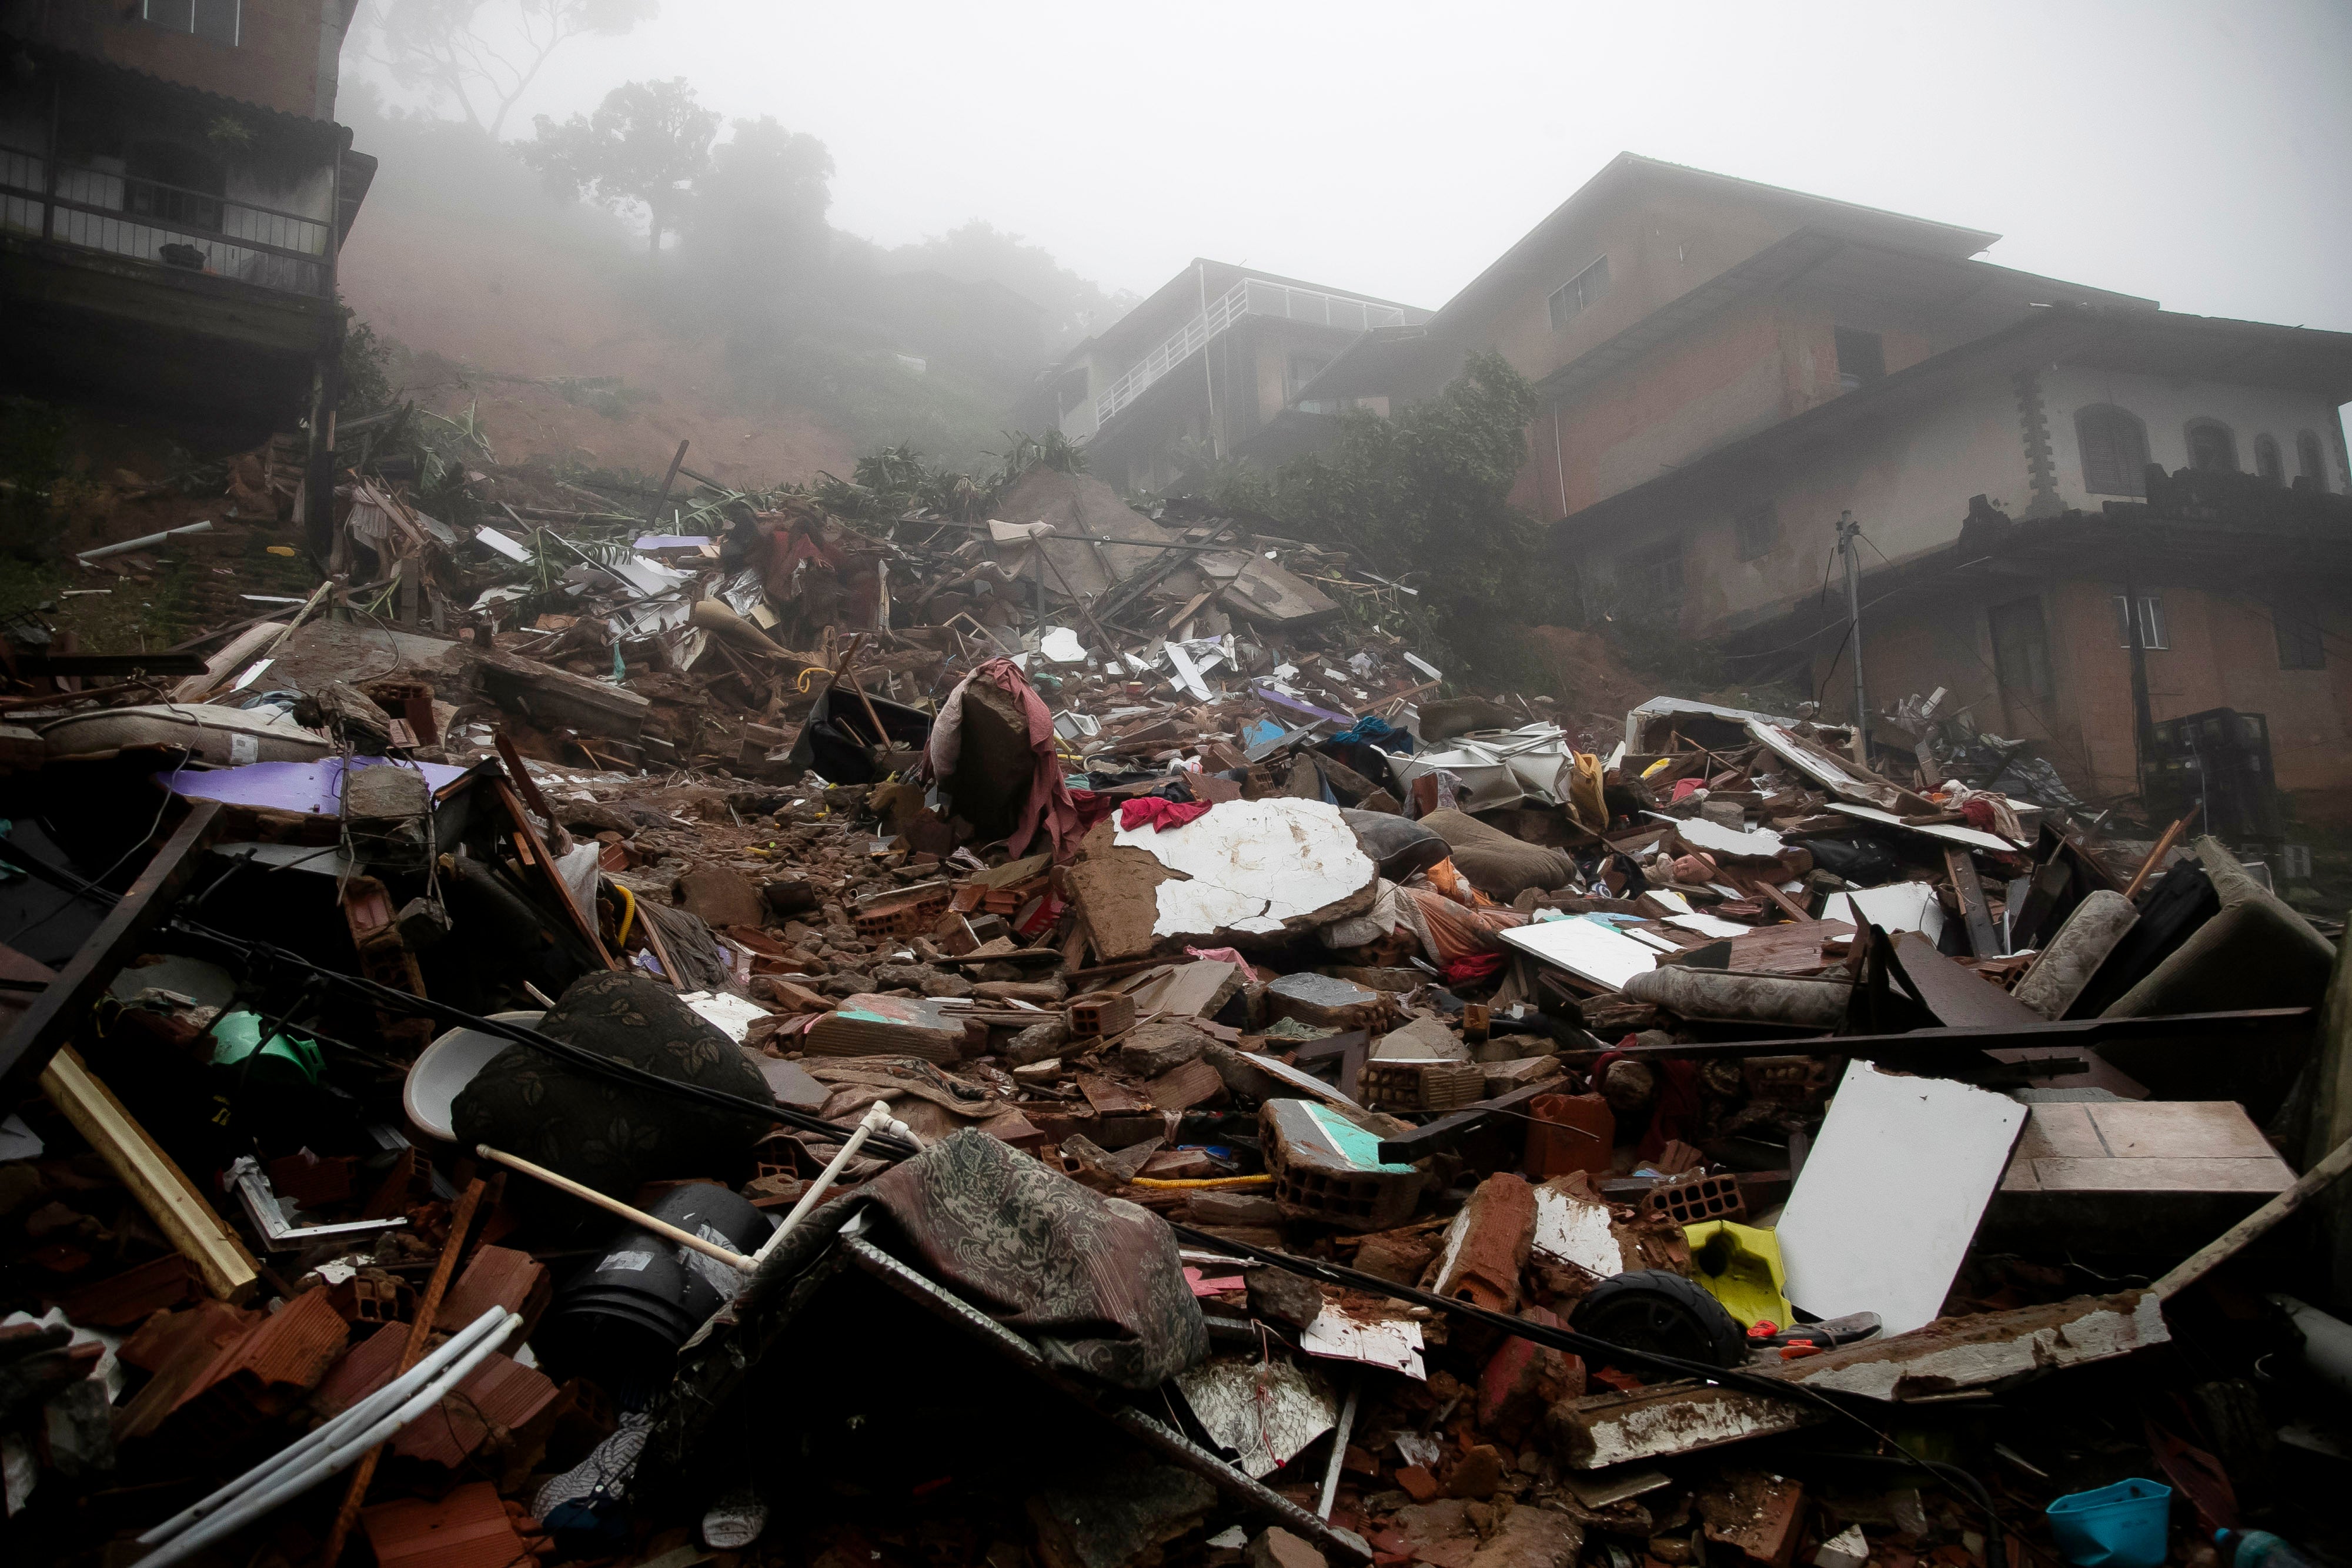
x=877, y=1119
x=636, y=1217
x=366, y=1413
x=127, y=545
x=1849, y=542
x=328, y=1462
x=1339, y=1435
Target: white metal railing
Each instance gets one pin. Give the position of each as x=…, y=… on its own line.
x=126, y=215
x=1250, y=296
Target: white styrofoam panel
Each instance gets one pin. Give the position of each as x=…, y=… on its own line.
x=1890, y=1197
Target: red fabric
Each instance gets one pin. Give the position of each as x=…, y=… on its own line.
x=1676, y=1113
x=1471, y=967
x=1978, y=814
x=1159, y=812
x=1684, y=786
x=1092, y=807
x=1049, y=808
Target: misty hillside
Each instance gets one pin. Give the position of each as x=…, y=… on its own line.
x=777, y=353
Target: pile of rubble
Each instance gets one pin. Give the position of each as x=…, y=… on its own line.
x=1094, y=1061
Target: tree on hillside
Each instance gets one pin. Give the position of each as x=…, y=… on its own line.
x=759, y=210
x=1428, y=492
x=979, y=251
x=482, y=56
x=646, y=145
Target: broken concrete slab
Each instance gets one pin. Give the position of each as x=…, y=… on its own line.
x=1989, y=1350
x=1246, y=870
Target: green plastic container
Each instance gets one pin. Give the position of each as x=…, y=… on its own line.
x=288, y=1059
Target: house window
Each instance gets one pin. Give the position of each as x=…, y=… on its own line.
x=2020, y=648
x=174, y=184
x=2212, y=447
x=2151, y=622
x=2267, y=461
x=2114, y=452
x=1303, y=368
x=2300, y=646
x=1757, y=531
x=1653, y=576
x=214, y=20
x=2308, y=461
x=1569, y=299
x=1861, y=357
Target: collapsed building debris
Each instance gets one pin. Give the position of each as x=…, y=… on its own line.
x=1036, y=1036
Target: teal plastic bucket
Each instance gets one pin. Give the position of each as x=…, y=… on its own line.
x=2121, y=1526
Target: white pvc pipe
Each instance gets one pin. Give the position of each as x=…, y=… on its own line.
x=2326, y=1342
x=361, y=1414
x=336, y=1456
x=877, y=1117
x=127, y=545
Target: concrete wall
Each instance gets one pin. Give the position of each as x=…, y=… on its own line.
x=284, y=57
x=1907, y=480
x=2222, y=652
x=2166, y=407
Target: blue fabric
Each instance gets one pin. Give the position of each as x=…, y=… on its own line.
x=1371, y=730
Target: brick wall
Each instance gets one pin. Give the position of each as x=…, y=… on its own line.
x=284, y=59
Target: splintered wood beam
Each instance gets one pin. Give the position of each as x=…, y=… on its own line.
x=179, y=1210
x=1984, y=942
x=54, y=1013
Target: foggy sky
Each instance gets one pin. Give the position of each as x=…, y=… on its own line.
x=2193, y=155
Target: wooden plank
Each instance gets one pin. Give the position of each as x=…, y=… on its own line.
x=1432, y=1136
x=1984, y=942
x=170, y=1198
x=554, y=879
x=56, y=1012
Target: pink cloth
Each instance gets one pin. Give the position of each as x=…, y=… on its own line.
x=1223, y=956
x=1686, y=786
x=1160, y=813
x=1049, y=808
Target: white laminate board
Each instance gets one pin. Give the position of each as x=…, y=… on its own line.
x=1585, y=948
x=1891, y=1194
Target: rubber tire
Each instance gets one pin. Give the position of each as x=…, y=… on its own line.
x=1663, y=1312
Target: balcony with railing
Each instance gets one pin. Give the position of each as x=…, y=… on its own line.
x=170, y=226
x=1251, y=297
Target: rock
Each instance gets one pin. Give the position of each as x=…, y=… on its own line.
x=910, y=976
x=1418, y=1483
x=790, y=896
x=1152, y=1049
x=1277, y=1548
x=1327, y=1002
x=1232, y=1208
x=1038, y=1042
x=1477, y=1473
x=720, y=897
x=1531, y=1538
x=846, y=983
x=1278, y=1293
x=943, y=985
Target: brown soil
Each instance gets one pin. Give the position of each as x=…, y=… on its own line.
x=514, y=302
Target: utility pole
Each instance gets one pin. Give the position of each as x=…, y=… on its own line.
x=1850, y=545
x=2143, y=717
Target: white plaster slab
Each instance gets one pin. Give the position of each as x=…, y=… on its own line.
x=1709, y=925
x=1569, y=1229
x=1891, y=1194
x=1757, y=843
x=1253, y=865
x=1375, y=1341
x=1944, y=831
x=1585, y=948
x=1898, y=906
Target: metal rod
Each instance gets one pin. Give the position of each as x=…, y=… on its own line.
x=638, y=1217
x=1338, y=1450
x=878, y=1118
x=1849, y=542
x=338, y=1454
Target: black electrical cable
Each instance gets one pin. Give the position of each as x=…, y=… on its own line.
x=1583, y=1345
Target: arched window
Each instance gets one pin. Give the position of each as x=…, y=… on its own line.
x=2114, y=452
x=2308, y=461
x=2267, y=461
x=2212, y=447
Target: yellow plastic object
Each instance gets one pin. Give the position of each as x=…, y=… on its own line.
x=1585, y=797
x=1657, y=767
x=1203, y=1183
x=1739, y=1266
